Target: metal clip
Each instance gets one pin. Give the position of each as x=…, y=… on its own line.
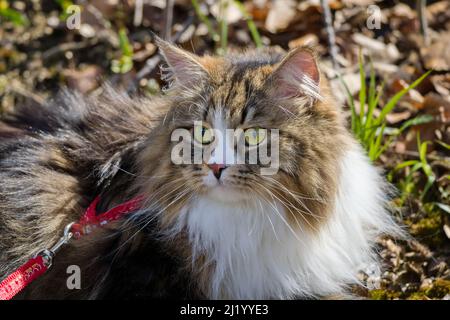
x=63, y=240
x=48, y=254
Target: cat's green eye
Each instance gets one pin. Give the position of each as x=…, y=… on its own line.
x=254, y=136
x=203, y=135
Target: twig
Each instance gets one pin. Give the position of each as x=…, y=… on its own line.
x=168, y=20
x=330, y=32
x=421, y=6
x=138, y=13
x=68, y=46
x=203, y=18
x=150, y=64
x=98, y=15
x=154, y=61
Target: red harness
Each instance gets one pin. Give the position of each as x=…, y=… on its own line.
x=42, y=261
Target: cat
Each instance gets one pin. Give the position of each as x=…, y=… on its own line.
x=208, y=230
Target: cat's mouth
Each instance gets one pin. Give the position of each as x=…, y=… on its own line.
x=223, y=187
x=225, y=192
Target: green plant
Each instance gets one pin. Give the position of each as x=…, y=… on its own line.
x=12, y=15
x=125, y=62
x=443, y=144
x=223, y=26
x=203, y=18
x=221, y=37
x=417, y=165
x=370, y=129
x=65, y=5
x=250, y=24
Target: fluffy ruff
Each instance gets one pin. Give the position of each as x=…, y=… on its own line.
x=257, y=254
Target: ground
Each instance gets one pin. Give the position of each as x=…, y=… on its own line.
x=45, y=45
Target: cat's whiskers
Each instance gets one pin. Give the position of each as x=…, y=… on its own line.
x=299, y=201
x=131, y=221
x=290, y=113
x=254, y=222
x=277, y=211
x=299, y=195
x=149, y=220
x=200, y=106
x=302, y=213
x=273, y=227
x=162, y=188
x=290, y=205
x=153, y=201
x=138, y=175
x=287, y=207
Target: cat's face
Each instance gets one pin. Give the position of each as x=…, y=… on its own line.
x=227, y=108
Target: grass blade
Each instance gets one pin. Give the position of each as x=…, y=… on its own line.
x=374, y=97
x=415, y=121
x=223, y=26
x=351, y=102
x=443, y=207
x=250, y=23
x=362, y=92
x=394, y=100
x=12, y=15
x=430, y=182
x=443, y=144
x=376, y=149
x=203, y=18
x=405, y=164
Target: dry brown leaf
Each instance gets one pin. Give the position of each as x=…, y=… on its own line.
x=447, y=230
x=426, y=284
x=402, y=10
x=442, y=84
x=309, y=39
x=145, y=52
x=413, y=100
x=83, y=80
x=385, y=68
x=393, y=247
x=438, y=13
x=421, y=248
x=231, y=13
x=437, y=106
x=377, y=48
x=397, y=117
x=361, y=3
x=107, y=8
x=437, y=56
x=280, y=15
x=258, y=9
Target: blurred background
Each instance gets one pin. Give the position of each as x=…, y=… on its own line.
x=388, y=63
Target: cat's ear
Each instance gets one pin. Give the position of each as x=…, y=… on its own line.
x=297, y=75
x=183, y=67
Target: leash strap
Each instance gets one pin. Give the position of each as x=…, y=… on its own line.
x=22, y=277
x=91, y=220
x=39, y=264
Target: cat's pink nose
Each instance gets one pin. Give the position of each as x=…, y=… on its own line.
x=217, y=169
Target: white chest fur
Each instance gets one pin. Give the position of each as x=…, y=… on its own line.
x=257, y=254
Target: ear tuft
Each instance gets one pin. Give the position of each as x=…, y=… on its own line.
x=183, y=67
x=297, y=74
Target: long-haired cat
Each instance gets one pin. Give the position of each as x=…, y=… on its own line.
x=205, y=230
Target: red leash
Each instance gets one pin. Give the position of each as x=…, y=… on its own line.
x=42, y=261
